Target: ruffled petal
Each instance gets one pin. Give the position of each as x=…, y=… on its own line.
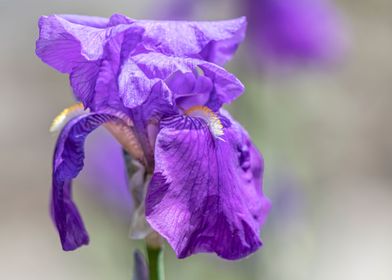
x=190, y=89
x=226, y=86
x=252, y=163
x=214, y=41
x=67, y=163
x=94, y=50
x=64, y=44
x=83, y=80
x=116, y=50
x=141, y=72
x=75, y=45
x=205, y=194
x=134, y=85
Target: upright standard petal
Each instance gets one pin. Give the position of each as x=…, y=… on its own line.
x=116, y=51
x=67, y=163
x=205, y=194
x=63, y=44
x=74, y=45
x=214, y=41
x=94, y=51
x=142, y=71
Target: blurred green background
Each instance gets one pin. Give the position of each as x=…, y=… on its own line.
x=325, y=134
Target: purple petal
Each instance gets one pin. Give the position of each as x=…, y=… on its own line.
x=205, y=194
x=63, y=44
x=181, y=83
x=67, y=163
x=190, y=89
x=159, y=103
x=134, y=85
x=83, y=80
x=214, y=41
x=116, y=50
x=140, y=72
x=94, y=50
x=147, y=115
x=98, y=22
x=226, y=86
x=70, y=47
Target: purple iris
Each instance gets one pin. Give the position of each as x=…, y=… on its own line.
x=158, y=87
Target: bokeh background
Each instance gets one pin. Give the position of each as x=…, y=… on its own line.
x=324, y=129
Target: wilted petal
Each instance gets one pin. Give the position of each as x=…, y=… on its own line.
x=205, y=194
x=67, y=163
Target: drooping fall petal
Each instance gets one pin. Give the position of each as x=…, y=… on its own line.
x=205, y=194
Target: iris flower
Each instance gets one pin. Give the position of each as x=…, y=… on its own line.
x=159, y=88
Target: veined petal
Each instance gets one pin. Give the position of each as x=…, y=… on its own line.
x=205, y=194
x=75, y=45
x=116, y=50
x=147, y=115
x=107, y=59
x=213, y=41
x=141, y=72
x=226, y=86
x=189, y=89
x=67, y=163
x=64, y=44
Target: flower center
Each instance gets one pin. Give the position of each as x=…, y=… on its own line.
x=209, y=117
x=68, y=113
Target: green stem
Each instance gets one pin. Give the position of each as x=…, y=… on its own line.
x=155, y=262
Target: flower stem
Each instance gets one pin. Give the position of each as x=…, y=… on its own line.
x=155, y=263
x=154, y=244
